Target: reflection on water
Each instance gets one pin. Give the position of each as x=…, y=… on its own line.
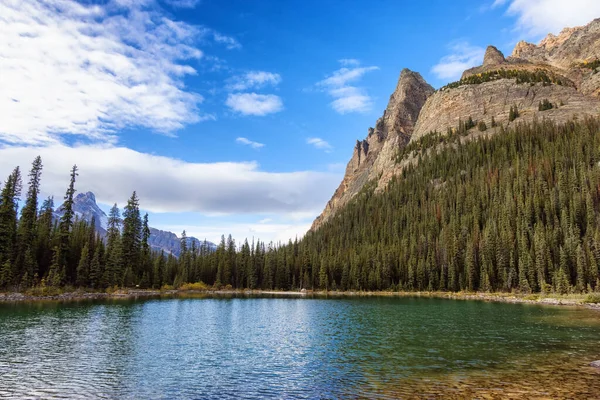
x=296, y=348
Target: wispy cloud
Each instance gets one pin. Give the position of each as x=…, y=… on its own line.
x=183, y=3
x=540, y=17
x=349, y=62
x=253, y=80
x=229, y=42
x=83, y=69
x=347, y=97
x=319, y=144
x=248, y=142
x=463, y=56
x=254, y=103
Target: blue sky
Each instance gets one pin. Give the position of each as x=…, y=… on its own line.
x=228, y=116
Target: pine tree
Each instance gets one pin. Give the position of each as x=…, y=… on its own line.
x=323, y=278
x=83, y=268
x=9, y=198
x=131, y=242
x=27, y=225
x=96, y=272
x=113, y=268
x=65, y=226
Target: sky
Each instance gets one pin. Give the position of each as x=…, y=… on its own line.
x=228, y=116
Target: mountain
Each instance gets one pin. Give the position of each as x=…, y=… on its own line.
x=85, y=207
x=556, y=80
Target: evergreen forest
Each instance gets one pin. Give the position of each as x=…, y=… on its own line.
x=515, y=212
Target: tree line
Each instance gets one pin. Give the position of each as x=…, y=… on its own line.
x=517, y=211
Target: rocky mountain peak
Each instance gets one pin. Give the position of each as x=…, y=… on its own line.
x=493, y=56
x=522, y=48
x=87, y=196
x=374, y=156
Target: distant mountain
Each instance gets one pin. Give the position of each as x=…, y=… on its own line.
x=85, y=207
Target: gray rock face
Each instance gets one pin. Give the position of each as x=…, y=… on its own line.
x=493, y=56
x=444, y=109
x=571, y=46
x=595, y=364
x=375, y=154
x=170, y=243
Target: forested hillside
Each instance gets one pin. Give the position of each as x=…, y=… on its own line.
x=517, y=211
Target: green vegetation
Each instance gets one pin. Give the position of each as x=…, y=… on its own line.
x=592, y=298
x=482, y=126
x=521, y=76
x=513, y=113
x=545, y=105
x=593, y=65
x=514, y=212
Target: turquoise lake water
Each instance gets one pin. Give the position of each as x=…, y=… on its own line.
x=375, y=347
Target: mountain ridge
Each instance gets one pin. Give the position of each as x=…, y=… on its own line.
x=559, y=71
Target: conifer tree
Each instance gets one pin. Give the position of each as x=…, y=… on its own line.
x=131, y=239
x=65, y=225
x=8, y=227
x=27, y=224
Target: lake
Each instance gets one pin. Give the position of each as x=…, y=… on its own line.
x=343, y=347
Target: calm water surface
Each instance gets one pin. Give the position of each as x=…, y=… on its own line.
x=296, y=348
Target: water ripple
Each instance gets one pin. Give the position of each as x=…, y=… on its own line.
x=247, y=348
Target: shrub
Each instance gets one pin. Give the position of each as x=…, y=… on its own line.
x=482, y=126
x=43, y=290
x=545, y=105
x=166, y=287
x=592, y=298
x=513, y=113
x=194, y=286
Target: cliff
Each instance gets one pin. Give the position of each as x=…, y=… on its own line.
x=376, y=153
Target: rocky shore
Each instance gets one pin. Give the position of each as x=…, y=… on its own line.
x=79, y=295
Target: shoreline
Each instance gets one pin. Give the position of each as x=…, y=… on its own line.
x=125, y=294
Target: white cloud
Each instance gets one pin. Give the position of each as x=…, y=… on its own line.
x=540, y=17
x=319, y=144
x=347, y=98
x=229, y=42
x=183, y=3
x=254, y=104
x=70, y=68
x=170, y=185
x=253, y=80
x=248, y=142
x=349, y=62
x=463, y=56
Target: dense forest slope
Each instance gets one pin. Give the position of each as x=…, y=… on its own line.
x=516, y=211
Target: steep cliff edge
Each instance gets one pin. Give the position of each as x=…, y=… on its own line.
x=375, y=155
x=562, y=73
